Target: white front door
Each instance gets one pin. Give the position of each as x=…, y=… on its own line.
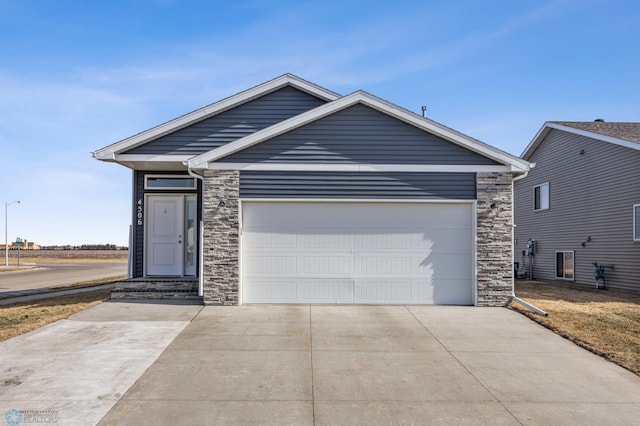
x=164, y=237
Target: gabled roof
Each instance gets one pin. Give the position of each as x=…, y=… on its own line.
x=360, y=97
x=110, y=152
x=618, y=133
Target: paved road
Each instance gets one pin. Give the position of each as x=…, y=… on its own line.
x=59, y=274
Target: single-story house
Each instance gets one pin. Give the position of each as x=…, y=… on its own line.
x=290, y=193
x=580, y=204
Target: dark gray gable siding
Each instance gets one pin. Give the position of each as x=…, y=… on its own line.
x=232, y=124
x=357, y=185
x=593, y=186
x=359, y=134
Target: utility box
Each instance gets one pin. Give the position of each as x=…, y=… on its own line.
x=531, y=247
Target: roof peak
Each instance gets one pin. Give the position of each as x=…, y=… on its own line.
x=625, y=130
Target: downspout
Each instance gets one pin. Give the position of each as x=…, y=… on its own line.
x=200, y=233
x=515, y=298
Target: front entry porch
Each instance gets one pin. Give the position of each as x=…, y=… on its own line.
x=157, y=289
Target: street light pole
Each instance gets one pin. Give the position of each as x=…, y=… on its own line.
x=6, y=231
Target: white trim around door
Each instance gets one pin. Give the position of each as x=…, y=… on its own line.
x=170, y=237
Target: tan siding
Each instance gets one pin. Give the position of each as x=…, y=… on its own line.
x=593, y=186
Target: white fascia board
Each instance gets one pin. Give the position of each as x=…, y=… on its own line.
x=202, y=161
x=542, y=133
x=546, y=128
x=360, y=167
x=150, y=158
x=107, y=153
x=515, y=164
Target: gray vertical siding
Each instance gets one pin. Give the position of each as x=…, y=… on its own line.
x=232, y=124
x=138, y=230
x=359, y=134
x=593, y=186
x=354, y=185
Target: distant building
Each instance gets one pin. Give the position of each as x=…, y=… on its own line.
x=26, y=245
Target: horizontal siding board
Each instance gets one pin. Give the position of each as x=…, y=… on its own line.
x=358, y=134
x=372, y=185
x=593, y=186
x=232, y=124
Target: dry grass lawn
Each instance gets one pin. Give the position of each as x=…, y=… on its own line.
x=603, y=321
x=20, y=318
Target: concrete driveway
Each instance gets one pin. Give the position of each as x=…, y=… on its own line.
x=316, y=365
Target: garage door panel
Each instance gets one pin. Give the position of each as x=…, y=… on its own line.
x=452, y=292
x=272, y=265
x=388, y=290
x=327, y=291
x=372, y=239
x=323, y=264
x=378, y=253
x=309, y=239
x=384, y=265
x=446, y=266
x=442, y=215
x=274, y=291
x=446, y=241
x=267, y=240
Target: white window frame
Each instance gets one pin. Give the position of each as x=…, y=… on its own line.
x=564, y=265
x=636, y=222
x=146, y=185
x=540, y=191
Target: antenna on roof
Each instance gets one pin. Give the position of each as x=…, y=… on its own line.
x=424, y=111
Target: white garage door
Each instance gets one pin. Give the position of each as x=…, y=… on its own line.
x=370, y=253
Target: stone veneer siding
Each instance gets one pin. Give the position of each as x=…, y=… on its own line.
x=495, y=238
x=221, y=237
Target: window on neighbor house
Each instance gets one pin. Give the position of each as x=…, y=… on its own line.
x=541, y=197
x=565, y=265
x=636, y=222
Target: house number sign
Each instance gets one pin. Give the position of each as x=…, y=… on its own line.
x=140, y=211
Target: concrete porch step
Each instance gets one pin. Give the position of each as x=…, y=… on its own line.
x=156, y=289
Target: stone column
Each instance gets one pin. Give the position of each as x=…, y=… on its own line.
x=495, y=238
x=221, y=237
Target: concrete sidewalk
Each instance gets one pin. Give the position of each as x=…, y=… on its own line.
x=134, y=363
x=75, y=370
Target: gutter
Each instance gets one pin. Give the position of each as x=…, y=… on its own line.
x=538, y=311
x=515, y=298
x=201, y=234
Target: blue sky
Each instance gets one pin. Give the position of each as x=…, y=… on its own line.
x=76, y=76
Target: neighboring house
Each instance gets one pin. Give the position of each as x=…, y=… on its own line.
x=306, y=196
x=581, y=203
